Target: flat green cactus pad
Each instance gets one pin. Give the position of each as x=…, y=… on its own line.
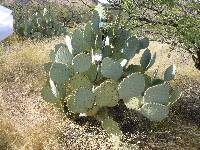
x=120, y=38
x=49, y=93
x=144, y=43
x=107, y=51
x=132, y=86
x=81, y=101
x=89, y=37
x=174, y=95
x=98, y=42
x=170, y=73
x=133, y=69
x=47, y=67
x=157, y=94
x=59, y=73
x=134, y=103
x=77, y=41
x=82, y=62
x=118, y=55
x=95, y=20
x=78, y=81
x=111, y=126
x=146, y=58
x=154, y=111
x=152, y=61
x=131, y=47
x=91, y=73
x=157, y=82
x=58, y=46
x=63, y=56
x=108, y=124
x=111, y=69
x=54, y=51
x=106, y=94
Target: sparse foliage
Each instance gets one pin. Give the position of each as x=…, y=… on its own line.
x=176, y=22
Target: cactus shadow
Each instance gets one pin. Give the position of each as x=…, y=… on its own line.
x=130, y=121
x=188, y=109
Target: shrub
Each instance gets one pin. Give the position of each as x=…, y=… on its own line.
x=90, y=74
x=38, y=21
x=176, y=20
x=41, y=24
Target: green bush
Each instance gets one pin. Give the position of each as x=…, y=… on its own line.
x=90, y=74
x=176, y=20
x=42, y=24
x=43, y=21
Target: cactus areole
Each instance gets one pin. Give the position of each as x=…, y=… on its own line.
x=90, y=73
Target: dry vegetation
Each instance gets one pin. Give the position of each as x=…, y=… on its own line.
x=28, y=123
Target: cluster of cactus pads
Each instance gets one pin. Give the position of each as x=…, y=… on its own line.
x=91, y=73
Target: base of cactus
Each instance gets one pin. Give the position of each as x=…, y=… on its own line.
x=129, y=121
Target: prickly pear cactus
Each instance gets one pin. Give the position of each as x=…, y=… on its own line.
x=91, y=73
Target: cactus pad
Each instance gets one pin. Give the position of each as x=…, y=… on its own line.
x=54, y=51
x=107, y=51
x=144, y=43
x=78, y=81
x=47, y=67
x=111, y=126
x=134, y=103
x=49, y=94
x=59, y=73
x=63, y=56
x=131, y=47
x=157, y=94
x=174, y=95
x=170, y=73
x=77, y=42
x=106, y=94
x=95, y=20
x=91, y=73
x=81, y=101
x=82, y=62
x=154, y=111
x=111, y=69
x=146, y=58
x=152, y=61
x=132, y=86
x=108, y=123
x=89, y=37
x=133, y=69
